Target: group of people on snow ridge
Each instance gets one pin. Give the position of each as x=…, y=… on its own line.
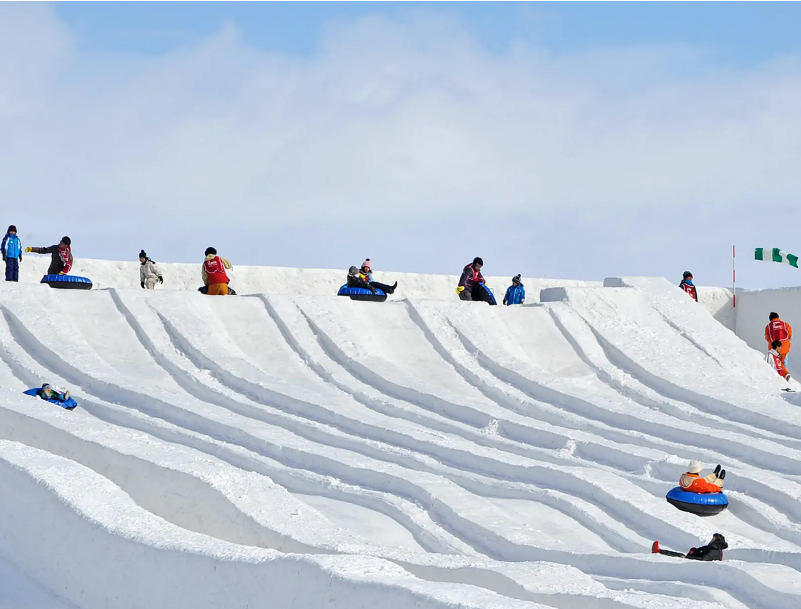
x=11, y=247
x=363, y=278
x=472, y=286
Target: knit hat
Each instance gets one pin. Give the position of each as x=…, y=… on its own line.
x=66, y=241
x=12, y=229
x=353, y=271
x=695, y=467
x=687, y=274
x=210, y=251
x=143, y=254
x=516, y=278
x=366, y=264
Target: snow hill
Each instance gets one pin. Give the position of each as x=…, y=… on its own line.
x=290, y=448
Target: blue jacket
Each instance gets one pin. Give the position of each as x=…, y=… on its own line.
x=515, y=294
x=11, y=246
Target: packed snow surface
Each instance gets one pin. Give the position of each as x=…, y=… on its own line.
x=287, y=449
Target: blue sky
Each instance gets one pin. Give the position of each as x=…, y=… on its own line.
x=576, y=140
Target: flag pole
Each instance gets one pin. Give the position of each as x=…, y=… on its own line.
x=734, y=285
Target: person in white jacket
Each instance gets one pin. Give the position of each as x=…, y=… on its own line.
x=149, y=273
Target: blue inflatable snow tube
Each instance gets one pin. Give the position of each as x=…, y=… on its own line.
x=67, y=282
x=362, y=294
x=700, y=504
x=67, y=404
x=488, y=296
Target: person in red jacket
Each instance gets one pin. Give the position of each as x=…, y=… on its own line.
x=213, y=272
x=470, y=279
x=778, y=330
x=688, y=286
x=692, y=482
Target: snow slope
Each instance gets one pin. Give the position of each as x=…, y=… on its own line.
x=305, y=450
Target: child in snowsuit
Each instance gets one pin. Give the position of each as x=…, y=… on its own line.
x=149, y=273
x=515, y=293
x=213, y=272
x=692, y=482
x=471, y=282
x=356, y=280
x=61, y=256
x=778, y=330
x=12, y=253
x=48, y=393
x=774, y=358
x=366, y=274
x=687, y=285
x=712, y=551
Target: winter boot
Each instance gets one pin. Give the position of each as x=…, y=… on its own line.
x=717, y=470
x=655, y=548
x=722, y=474
x=393, y=288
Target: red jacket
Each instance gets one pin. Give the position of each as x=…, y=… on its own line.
x=214, y=270
x=690, y=289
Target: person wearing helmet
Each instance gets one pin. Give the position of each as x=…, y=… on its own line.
x=515, y=293
x=356, y=280
x=12, y=253
x=366, y=273
x=781, y=331
x=470, y=279
x=60, y=256
x=687, y=285
x=213, y=273
x=692, y=482
x=712, y=551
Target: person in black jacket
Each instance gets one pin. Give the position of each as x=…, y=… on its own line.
x=60, y=256
x=712, y=551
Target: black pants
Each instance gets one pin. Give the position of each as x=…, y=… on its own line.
x=674, y=554
x=387, y=289
x=12, y=269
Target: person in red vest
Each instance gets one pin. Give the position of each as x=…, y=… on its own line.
x=687, y=285
x=775, y=360
x=213, y=271
x=778, y=330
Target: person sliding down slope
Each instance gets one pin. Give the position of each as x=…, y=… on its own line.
x=515, y=293
x=213, y=272
x=149, y=273
x=61, y=256
x=367, y=275
x=48, y=393
x=355, y=280
x=687, y=285
x=712, y=551
x=774, y=358
x=692, y=482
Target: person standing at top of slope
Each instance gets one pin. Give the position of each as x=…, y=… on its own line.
x=775, y=360
x=61, y=256
x=687, y=285
x=12, y=253
x=149, y=273
x=515, y=293
x=692, y=482
x=213, y=271
x=366, y=274
x=778, y=330
x=712, y=551
x=471, y=277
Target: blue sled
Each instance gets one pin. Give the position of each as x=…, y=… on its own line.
x=706, y=504
x=67, y=404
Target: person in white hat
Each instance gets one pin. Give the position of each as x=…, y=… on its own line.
x=692, y=481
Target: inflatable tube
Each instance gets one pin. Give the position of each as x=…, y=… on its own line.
x=483, y=294
x=67, y=282
x=205, y=290
x=67, y=404
x=706, y=504
x=362, y=294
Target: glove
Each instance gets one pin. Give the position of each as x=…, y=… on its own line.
x=62, y=273
x=161, y=279
x=28, y=250
x=460, y=289
x=142, y=283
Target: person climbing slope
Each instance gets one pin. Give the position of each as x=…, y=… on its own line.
x=688, y=286
x=149, y=273
x=356, y=280
x=774, y=358
x=692, y=482
x=712, y=551
x=515, y=293
x=781, y=331
x=12, y=253
x=471, y=277
x=213, y=272
x=61, y=256
x=48, y=393
x=366, y=274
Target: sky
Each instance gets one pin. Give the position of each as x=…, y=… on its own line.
x=572, y=140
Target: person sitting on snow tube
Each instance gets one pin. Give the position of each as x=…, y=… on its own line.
x=61, y=256
x=356, y=280
x=366, y=274
x=48, y=393
x=692, y=482
x=712, y=551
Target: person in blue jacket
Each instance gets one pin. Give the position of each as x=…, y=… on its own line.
x=12, y=253
x=515, y=293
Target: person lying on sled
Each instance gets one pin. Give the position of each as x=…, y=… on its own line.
x=691, y=480
x=48, y=393
x=712, y=551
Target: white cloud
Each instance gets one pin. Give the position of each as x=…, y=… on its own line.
x=406, y=119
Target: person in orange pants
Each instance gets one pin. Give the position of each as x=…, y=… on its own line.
x=692, y=482
x=213, y=272
x=778, y=330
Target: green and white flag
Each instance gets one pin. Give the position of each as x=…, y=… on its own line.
x=768, y=254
